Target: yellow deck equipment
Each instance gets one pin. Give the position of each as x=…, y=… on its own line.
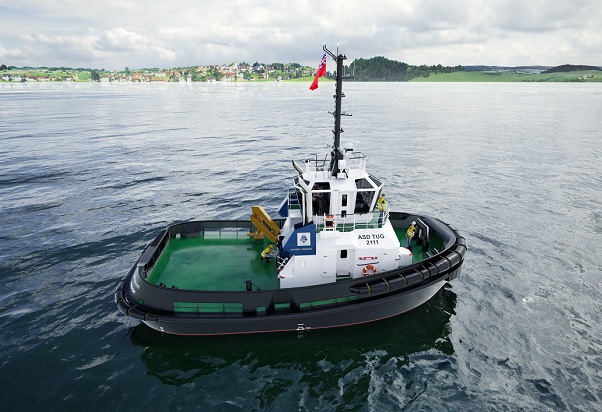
x=264, y=224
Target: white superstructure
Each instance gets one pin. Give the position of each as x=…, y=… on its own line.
x=333, y=228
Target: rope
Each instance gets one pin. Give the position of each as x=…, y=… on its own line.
x=420, y=273
x=459, y=244
x=457, y=253
x=435, y=267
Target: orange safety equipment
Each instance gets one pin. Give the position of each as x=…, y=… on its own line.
x=369, y=270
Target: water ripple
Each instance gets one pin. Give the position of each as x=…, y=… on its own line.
x=90, y=173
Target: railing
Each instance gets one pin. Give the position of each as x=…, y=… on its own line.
x=152, y=253
x=281, y=261
x=355, y=161
x=293, y=201
x=373, y=220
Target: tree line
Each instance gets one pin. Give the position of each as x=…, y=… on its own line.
x=381, y=69
x=571, y=68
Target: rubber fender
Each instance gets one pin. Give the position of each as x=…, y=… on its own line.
x=461, y=249
x=361, y=289
x=454, y=257
x=358, y=289
x=378, y=287
x=136, y=313
x=460, y=240
x=460, y=245
x=442, y=265
x=150, y=317
x=445, y=259
x=424, y=272
x=123, y=305
x=433, y=269
x=397, y=282
x=119, y=294
x=413, y=278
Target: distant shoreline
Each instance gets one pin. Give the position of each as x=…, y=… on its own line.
x=376, y=70
x=437, y=78
x=586, y=76
x=516, y=77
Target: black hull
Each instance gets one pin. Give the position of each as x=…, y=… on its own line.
x=340, y=303
x=363, y=312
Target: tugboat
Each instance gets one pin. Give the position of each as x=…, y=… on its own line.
x=338, y=256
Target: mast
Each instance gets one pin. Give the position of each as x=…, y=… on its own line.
x=337, y=153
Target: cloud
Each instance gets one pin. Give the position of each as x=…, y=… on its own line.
x=115, y=34
x=101, y=47
x=544, y=15
x=10, y=54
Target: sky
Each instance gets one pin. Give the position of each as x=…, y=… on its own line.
x=115, y=34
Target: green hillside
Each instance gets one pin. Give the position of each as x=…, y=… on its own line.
x=508, y=76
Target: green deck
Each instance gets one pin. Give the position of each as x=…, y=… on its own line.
x=192, y=263
x=417, y=253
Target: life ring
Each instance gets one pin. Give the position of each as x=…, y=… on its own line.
x=329, y=219
x=369, y=270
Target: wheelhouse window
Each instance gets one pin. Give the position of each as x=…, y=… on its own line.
x=363, y=184
x=321, y=186
x=376, y=181
x=321, y=198
x=321, y=202
x=363, y=200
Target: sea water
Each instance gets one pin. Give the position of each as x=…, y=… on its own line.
x=90, y=173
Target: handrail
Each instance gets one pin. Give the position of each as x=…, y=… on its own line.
x=355, y=161
x=371, y=220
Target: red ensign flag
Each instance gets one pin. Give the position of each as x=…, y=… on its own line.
x=321, y=72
